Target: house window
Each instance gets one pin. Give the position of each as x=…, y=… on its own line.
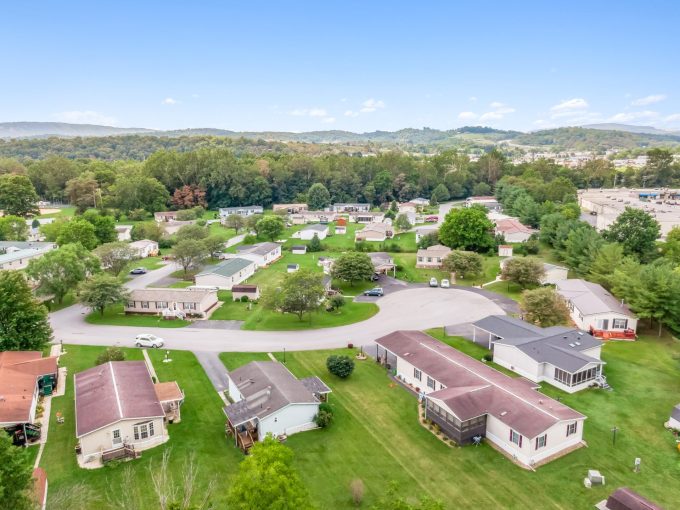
x=145, y=304
x=541, y=441
x=602, y=324
x=161, y=305
x=420, y=259
x=143, y=430
x=430, y=382
x=189, y=306
x=562, y=376
x=131, y=304
x=116, y=437
x=515, y=438
x=571, y=428
x=417, y=374
x=620, y=323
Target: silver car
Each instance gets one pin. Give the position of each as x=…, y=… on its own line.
x=148, y=340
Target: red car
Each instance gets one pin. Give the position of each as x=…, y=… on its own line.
x=431, y=219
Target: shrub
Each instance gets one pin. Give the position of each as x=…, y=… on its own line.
x=244, y=299
x=356, y=488
x=488, y=357
x=249, y=239
x=137, y=215
x=342, y=366
x=325, y=416
x=335, y=302
x=166, y=243
x=111, y=354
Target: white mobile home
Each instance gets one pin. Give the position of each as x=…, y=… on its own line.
x=226, y=274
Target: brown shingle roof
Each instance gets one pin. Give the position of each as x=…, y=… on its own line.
x=117, y=390
x=19, y=371
x=168, y=391
x=473, y=388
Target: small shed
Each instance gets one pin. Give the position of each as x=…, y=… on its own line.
x=252, y=292
x=291, y=268
x=674, y=420
x=299, y=249
x=504, y=250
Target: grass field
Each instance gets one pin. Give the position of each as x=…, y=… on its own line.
x=376, y=437
x=114, y=316
x=201, y=431
x=258, y=318
x=149, y=263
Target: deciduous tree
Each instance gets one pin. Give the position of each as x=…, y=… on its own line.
x=189, y=253
x=13, y=228
x=17, y=195
x=23, y=321
x=467, y=228
x=267, y=479
x=102, y=290
x=78, y=231
x=352, y=267
x=524, y=271
x=543, y=306
x=61, y=270
x=270, y=227
x=16, y=480
x=402, y=223
x=466, y=264
x=636, y=231
x=115, y=256
x=300, y=292
x=318, y=197
x=147, y=230
x=234, y=221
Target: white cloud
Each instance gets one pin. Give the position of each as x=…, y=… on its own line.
x=496, y=104
x=472, y=99
x=576, y=103
x=195, y=96
x=328, y=120
x=85, y=117
x=672, y=118
x=632, y=116
x=467, y=115
x=318, y=112
x=371, y=105
x=350, y=113
x=169, y=101
x=644, y=101
x=491, y=116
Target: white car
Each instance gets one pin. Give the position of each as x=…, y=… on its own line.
x=445, y=284
x=434, y=282
x=148, y=340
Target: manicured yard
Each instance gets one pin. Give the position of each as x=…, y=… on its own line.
x=114, y=316
x=149, y=263
x=406, y=270
x=183, y=284
x=511, y=290
x=68, y=300
x=258, y=318
x=376, y=437
x=201, y=432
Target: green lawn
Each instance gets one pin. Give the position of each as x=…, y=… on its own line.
x=149, y=263
x=114, y=316
x=509, y=289
x=183, y=284
x=201, y=431
x=258, y=318
x=68, y=300
x=376, y=437
x=64, y=212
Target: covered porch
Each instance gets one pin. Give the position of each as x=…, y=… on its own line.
x=245, y=434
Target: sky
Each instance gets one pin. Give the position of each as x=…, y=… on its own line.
x=350, y=65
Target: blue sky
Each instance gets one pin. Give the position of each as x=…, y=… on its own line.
x=351, y=65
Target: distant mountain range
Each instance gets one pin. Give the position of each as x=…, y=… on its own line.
x=589, y=137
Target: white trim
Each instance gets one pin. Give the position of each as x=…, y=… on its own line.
x=127, y=418
x=115, y=389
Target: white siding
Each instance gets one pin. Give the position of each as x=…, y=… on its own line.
x=225, y=282
x=557, y=440
x=584, y=322
x=289, y=420
x=101, y=440
x=234, y=392
x=513, y=359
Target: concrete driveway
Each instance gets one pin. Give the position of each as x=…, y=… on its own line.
x=413, y=308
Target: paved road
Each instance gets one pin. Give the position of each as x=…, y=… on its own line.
x=414, y=308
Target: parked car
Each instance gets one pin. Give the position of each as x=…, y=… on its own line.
x=148, y=340
x=445, y=284
x=376, y=291
x=434, y=282
x=138, y=270
x=375, y=277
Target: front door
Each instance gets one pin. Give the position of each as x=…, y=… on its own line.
x=116, y=440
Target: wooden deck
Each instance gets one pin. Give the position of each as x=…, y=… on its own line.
x=245, y=439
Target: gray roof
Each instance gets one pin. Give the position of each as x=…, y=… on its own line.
x=22, y=254
x=318, y=227
x=25, y=245
x=242, y=208
x=675, y=413
x=266, y=387
x=590, y=298
x=299, y=247
x=257, y=249
x=559, y=346
x=315, y=385
x=227, y=268
x=380, y=257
